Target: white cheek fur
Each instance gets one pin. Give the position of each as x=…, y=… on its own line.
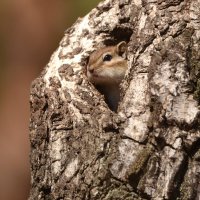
x=112, y=74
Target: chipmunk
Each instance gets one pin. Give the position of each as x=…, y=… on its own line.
x=106, y=69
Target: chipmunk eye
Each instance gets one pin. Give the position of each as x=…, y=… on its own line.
x=107, y=57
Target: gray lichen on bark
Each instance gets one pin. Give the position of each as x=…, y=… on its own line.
x=149, y=149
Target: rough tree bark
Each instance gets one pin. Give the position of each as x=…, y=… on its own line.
x=150, y=148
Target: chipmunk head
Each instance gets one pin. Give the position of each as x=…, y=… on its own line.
x=107, y=65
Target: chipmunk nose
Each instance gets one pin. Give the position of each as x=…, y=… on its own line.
x=91, y=70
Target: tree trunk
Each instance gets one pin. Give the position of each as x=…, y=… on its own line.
x=150, y=148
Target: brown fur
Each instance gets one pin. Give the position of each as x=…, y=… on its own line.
x=107, y=75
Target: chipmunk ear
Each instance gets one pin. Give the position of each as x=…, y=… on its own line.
x=121, y=48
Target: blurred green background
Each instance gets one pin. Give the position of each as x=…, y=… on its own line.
x=29, y=33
